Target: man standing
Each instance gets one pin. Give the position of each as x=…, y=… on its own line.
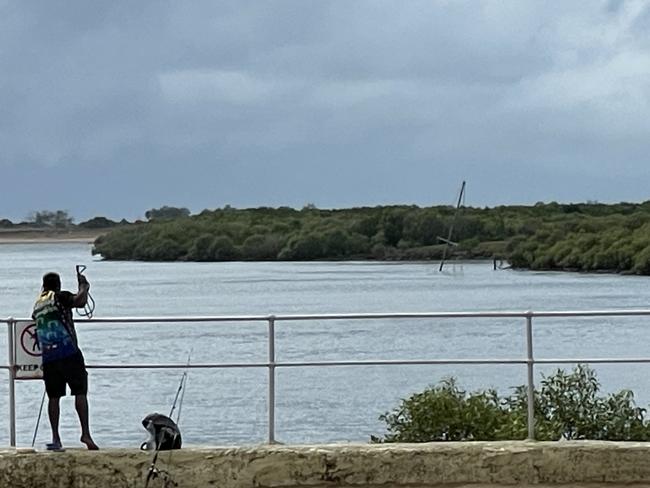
x=63, y=362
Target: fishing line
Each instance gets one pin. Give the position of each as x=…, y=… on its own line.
x=180, y=406
x=89, y=307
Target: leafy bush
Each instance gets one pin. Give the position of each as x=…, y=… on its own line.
x=223, y=249
x=262, y=247
x=567, y=405
x=303, y=247
x=445, y=413
x=201, y=249
x=167, y=250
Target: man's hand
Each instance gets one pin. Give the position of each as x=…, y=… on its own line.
x=81, y=298
x=83, y=282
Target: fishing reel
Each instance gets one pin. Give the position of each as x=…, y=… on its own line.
x=89, y=308
x=164, y=476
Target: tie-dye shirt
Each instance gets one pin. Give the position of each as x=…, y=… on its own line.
x=54, y=325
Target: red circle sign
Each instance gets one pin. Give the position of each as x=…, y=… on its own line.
x=29, y=341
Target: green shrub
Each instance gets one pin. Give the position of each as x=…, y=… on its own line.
x=223, y=249
x=201, y=248
x=97, y=223
x=567, y=405
x=166, y=250
x=260, y=247
x=304, y=247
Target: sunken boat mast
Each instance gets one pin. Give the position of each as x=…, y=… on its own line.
x=448, y=242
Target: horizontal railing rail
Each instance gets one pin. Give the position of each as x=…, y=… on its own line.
x=272, y=364
x=357, y=316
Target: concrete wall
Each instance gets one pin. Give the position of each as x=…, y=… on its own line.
x=475, y=464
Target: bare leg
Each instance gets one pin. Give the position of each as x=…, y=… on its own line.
x=81, y=405
x=53, y=412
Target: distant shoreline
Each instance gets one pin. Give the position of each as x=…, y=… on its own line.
x=48, y=236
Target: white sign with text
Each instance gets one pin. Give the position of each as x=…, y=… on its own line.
x=27, y=351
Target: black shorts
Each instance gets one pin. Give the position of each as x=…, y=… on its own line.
x=70, y=371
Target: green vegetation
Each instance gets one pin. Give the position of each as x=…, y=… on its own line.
x=44, y=218
x=395, y=232
x=574, y=237
x=98, y=223
x=588, y=238
x=166, y=213
x=567, y=405
x=581, y=237
x=59, y=220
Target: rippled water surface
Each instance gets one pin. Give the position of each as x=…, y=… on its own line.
x=333, y=404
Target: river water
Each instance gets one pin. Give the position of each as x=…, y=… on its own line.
x=313, y=405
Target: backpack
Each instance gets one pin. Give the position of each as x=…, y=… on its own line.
x=164, y=434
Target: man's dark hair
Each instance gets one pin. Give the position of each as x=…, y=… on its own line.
x=51, y=282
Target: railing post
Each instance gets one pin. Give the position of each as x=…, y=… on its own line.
x=11, y=323
x=530, y=363
x=272, y=379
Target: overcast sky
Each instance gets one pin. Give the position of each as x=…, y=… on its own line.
x=111, y=108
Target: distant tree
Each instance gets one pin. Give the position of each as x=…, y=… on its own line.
x=303, y=247
x=262, y=247
x=167, y=213
x=200, y=248
x=97, y=223
x=423, y=227
x=166, y=250
x=46, y=218
x=223, y=249
x=393, y=224
x=367, y=225
x=6, y=223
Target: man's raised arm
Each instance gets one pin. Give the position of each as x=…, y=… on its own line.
x=81, y=298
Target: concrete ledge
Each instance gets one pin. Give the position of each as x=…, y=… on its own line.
x=453, y=464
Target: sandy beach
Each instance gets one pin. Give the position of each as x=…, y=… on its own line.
x=39, y=236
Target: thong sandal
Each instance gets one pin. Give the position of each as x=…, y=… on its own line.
x=54, y=446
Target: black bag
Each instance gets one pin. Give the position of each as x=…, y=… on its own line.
x=163, y=433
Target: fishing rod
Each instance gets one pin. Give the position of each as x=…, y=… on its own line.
x=89, y=307
x=153, y=472
x=38, y=421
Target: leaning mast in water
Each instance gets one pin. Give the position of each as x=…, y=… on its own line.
x=448, y=242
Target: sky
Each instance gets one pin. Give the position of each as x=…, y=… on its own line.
x=113, y=108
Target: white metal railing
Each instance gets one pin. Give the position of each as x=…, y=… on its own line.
x=271, y=364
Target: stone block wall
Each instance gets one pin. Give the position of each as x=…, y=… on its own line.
x=467, y=464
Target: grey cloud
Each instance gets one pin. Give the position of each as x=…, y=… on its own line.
x=354, y=94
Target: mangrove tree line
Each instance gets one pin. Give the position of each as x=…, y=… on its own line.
x=544, y=236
